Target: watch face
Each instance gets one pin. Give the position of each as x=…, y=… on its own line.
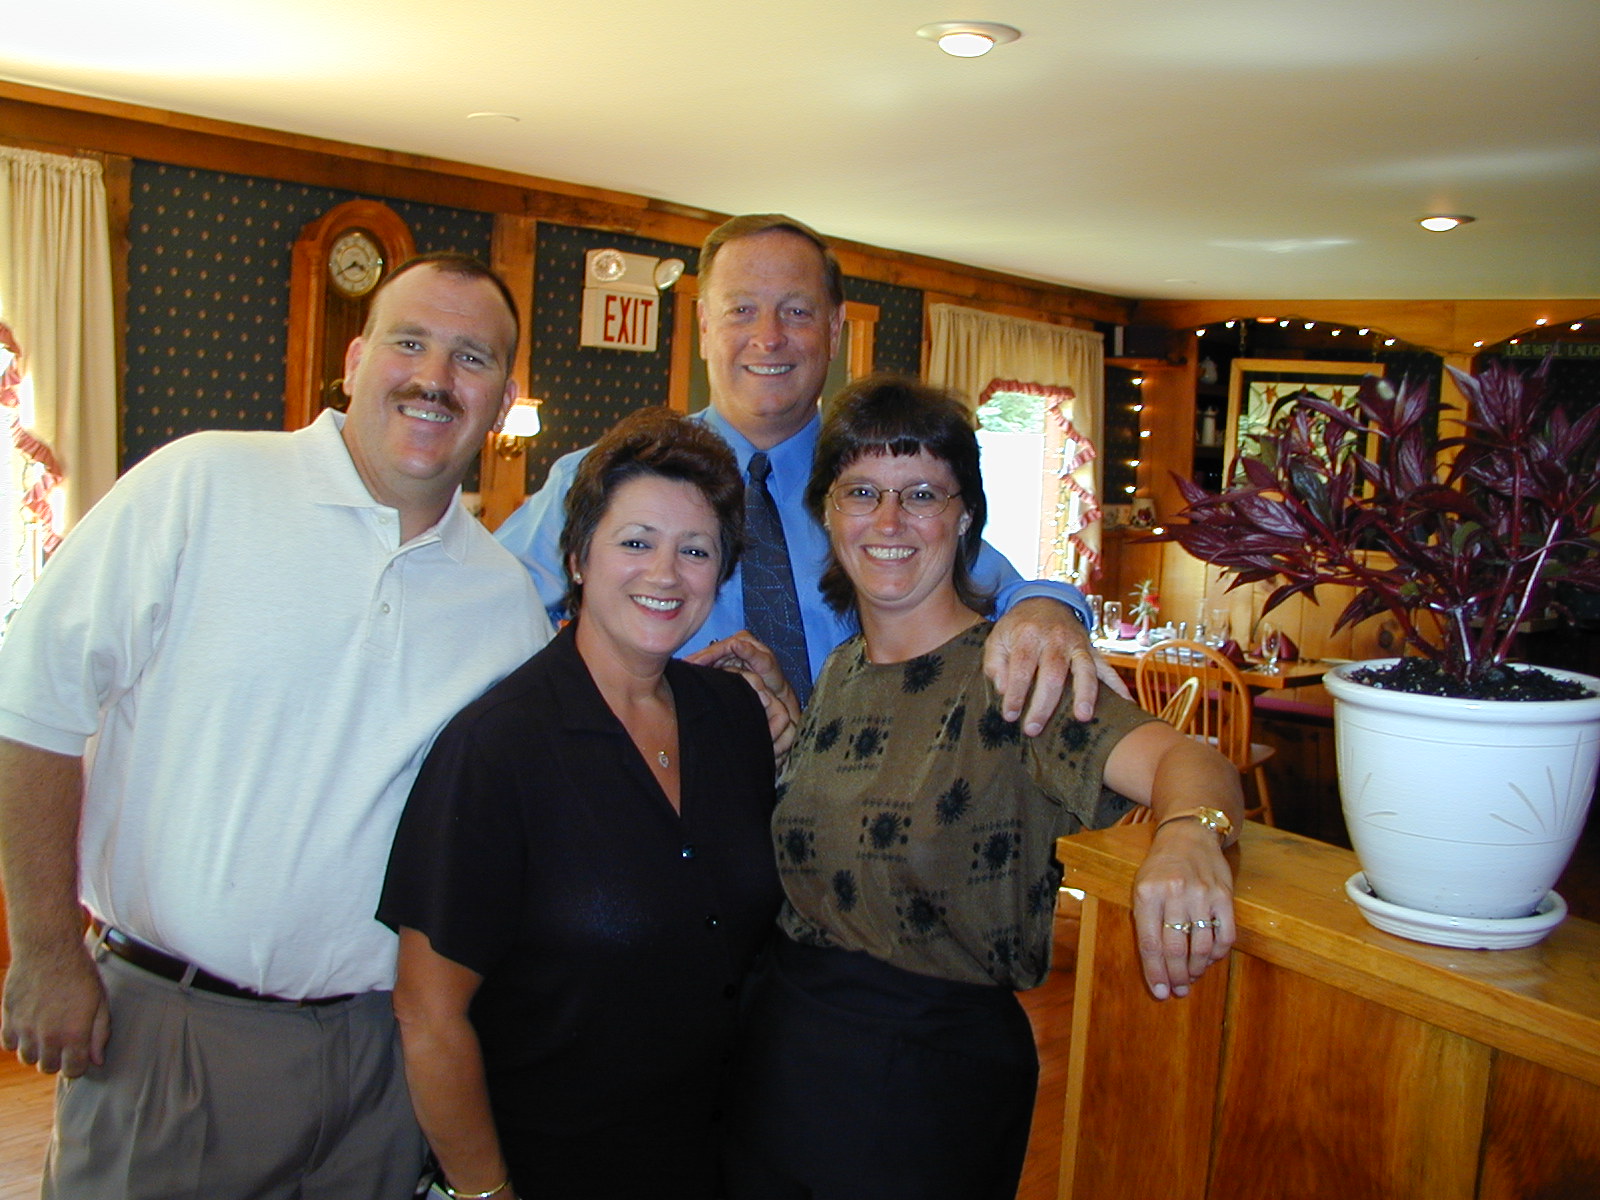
x=355, y=264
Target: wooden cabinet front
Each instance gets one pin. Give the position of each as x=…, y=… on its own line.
x=1326, y=1059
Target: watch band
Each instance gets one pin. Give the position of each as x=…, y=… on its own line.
x=1213, y=819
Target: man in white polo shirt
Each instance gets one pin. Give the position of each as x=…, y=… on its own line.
x=212, y=707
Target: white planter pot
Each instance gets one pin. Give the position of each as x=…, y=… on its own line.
x=1469, y=808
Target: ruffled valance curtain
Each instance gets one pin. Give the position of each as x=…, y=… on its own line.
x=973, y=350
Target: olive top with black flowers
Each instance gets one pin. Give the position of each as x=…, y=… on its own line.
x=918, y=825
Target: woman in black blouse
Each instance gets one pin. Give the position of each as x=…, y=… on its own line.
x=583, y=875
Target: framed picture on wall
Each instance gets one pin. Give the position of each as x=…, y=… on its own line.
x=1259, y=386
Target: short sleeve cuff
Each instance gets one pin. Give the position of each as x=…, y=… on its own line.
x=18, y=728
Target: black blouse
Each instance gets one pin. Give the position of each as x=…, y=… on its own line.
x=612, y=932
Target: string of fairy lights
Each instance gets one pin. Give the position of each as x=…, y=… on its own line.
x=1379, y=339
x=1376, y=343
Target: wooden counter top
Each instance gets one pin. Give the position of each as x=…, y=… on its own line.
x=1541, y=1003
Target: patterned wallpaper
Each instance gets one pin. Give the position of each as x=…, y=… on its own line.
x=208, y=304
x=586, y=390
x=899, y=340
x=208, y=295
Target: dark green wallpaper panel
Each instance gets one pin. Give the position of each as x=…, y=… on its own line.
x=587, y=390
x=208, y=295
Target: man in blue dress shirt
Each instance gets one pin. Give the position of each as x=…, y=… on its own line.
x=771, y=311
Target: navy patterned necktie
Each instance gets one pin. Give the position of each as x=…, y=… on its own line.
x=771, y=607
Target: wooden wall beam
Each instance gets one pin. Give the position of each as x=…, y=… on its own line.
x=60, y=119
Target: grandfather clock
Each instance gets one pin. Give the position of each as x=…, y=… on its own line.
x=339, y=259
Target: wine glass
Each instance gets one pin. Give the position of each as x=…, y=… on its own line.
x=1217, y=627
x=1111, y=619
x=1271, y=644
x=1096, y=622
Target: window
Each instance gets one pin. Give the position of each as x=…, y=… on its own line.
x=28, y=529
x=1038, y=480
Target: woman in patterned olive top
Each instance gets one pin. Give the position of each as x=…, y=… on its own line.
x=887, y=1055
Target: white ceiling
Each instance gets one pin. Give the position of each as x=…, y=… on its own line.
x=1148, y=148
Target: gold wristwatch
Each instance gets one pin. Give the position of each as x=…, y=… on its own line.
x=1213, y=819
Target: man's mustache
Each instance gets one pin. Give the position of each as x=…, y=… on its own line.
x=443, y=397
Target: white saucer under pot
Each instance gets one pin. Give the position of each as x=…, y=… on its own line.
x=1468, y=933
x=1468, y=808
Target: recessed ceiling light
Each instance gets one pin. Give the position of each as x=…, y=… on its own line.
x=968, y=39
x=493, y=116
x=1439, y=223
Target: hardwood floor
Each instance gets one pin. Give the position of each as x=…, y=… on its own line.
x=25, y=1103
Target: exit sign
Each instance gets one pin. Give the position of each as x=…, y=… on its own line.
x=614, y=320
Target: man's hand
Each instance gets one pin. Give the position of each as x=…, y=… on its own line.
x=749, y=656
x=1029, y=655
x=55, y=1014
x=54, y=1009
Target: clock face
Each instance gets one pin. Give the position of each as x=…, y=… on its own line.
x=355, y=264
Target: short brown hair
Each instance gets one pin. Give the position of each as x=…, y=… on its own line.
x=463, y=266
x=753, y=223
x=887, y=414
x=664, y=443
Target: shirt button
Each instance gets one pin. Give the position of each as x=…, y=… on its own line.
x=383, y=608
x=687, y=851
x=730, y=991
x=712, y=922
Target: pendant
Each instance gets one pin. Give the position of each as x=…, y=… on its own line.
x=661, y=757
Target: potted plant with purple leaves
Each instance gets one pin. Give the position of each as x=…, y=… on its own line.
x=1465, y=779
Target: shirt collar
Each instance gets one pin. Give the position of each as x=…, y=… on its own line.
x=330, y=477
x=790, y=458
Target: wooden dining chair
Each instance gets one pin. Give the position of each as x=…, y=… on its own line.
x=1222, y=713
x=1177, y=712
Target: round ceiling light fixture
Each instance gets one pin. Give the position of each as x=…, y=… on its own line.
x=1442, y=222
x=968, y=39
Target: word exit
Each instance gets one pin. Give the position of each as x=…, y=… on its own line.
x=619, y=320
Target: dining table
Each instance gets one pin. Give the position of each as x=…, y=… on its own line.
x=1124, y=654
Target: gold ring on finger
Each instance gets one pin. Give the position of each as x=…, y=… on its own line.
x=1179, y=926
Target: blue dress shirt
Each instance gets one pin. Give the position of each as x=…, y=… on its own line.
x=533, y=534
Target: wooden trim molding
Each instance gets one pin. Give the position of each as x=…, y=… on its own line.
x=503, y=480
x=61, y=119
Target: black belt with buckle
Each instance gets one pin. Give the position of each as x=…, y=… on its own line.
x=158, y=962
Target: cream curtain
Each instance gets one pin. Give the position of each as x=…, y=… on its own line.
x=56, y=294
x=972, y=349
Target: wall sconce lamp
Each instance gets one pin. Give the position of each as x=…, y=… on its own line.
x=521, y=424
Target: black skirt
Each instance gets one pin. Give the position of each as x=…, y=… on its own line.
x=857, y=1080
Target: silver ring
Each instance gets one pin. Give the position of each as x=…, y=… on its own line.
x=1180, y=926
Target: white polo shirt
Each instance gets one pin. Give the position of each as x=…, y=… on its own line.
x=255, y=666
